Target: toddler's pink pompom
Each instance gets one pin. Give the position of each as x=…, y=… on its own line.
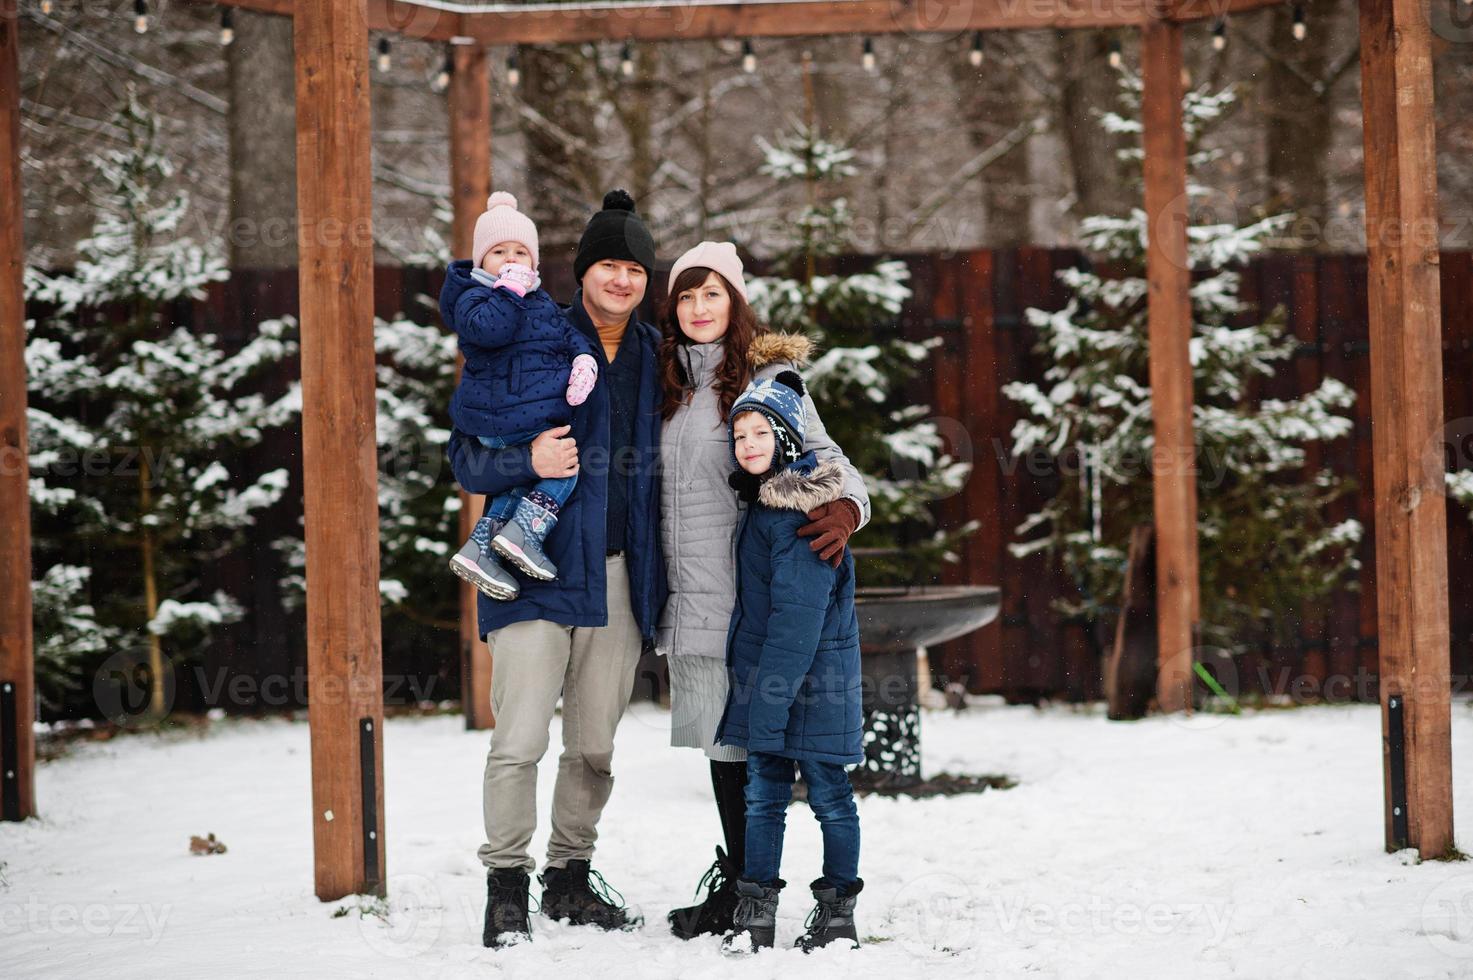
x=501, y=197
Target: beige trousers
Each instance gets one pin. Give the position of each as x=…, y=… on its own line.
x=532, y=664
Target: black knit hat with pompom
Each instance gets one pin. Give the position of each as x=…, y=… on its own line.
x=616, y=232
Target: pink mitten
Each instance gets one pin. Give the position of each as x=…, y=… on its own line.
x=580, y=381
x=518, y=278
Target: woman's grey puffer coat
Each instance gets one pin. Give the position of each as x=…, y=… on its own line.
x=699, y=511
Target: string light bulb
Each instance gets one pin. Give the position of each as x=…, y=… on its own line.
x=1219, y=35
x=383, y=54
x=513, y=72
x=227, y=26
x=626, y=60
x=749, y=58
x=140, y=16
x=867, y=58
x=442, y=80
x=1115, y=56
x=45, y=6
x=1300, y=28
x=975, y=55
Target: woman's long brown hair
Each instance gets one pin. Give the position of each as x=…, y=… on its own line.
x=735, y=371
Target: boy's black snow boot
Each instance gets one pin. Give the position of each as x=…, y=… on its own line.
x=506, y=908
x=580, y=895
x=713, y=916
x=754, y=923
x=832, y=918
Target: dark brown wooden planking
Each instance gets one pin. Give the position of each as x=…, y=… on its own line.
x=1337, y=313
x=1457, y=393
x=985, y=553
x=1341, y=301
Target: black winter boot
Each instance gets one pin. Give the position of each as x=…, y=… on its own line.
x=569, y=893
x=832, y=918
x=506, y=908
x=712, y=917
x=754, y=923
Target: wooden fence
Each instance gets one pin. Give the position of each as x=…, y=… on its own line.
x=975, y=301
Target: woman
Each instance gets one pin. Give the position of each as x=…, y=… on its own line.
x=712, y=347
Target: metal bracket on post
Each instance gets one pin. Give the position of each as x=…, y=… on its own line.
x=366, y=764
x=1396, y=745
x=9, y=753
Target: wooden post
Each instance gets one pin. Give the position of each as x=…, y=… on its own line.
x=1169, y=276
x=470, y=184
x=339, y=455
x=1405, y=308
x=17, y=671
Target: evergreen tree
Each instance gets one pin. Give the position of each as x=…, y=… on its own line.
x=1460, y=487
x=1267, y=546
x=137, y=425
x=418, y=510
x=863, y=363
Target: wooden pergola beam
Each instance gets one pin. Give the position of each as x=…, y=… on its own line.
x=339, y=451
x=470, y=185
x=683, y=20
x=17, y=669
x=1405, y=307
x=1169, y=324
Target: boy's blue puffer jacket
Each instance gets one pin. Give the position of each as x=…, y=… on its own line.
x=792, y=653
x=518, y=354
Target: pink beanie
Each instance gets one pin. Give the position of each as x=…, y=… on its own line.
x=718, y=256
x=502, y=222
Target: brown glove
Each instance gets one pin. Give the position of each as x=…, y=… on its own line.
x=832, y=523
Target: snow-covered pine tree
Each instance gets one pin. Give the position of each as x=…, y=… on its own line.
x=862, y=365
x=137, y=425
x=418, y=510
x=1267, y=546
x=67, y=633
x=1460, y=482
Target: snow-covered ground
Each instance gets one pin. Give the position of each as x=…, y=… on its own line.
x=1222, y=847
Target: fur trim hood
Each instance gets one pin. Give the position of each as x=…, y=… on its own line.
x=799, y=488
x=776, y=348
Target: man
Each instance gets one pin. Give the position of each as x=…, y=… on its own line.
x=580, y=635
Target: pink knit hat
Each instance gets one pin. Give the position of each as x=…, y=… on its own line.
x=718, y=256
x=502, y=222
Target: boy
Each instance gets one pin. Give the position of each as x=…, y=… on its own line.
x=793, y=659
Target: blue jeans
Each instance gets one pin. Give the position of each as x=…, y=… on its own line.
x=770, y=789
x=503, y=506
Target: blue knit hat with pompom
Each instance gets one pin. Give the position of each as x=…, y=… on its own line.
x=780, y=399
